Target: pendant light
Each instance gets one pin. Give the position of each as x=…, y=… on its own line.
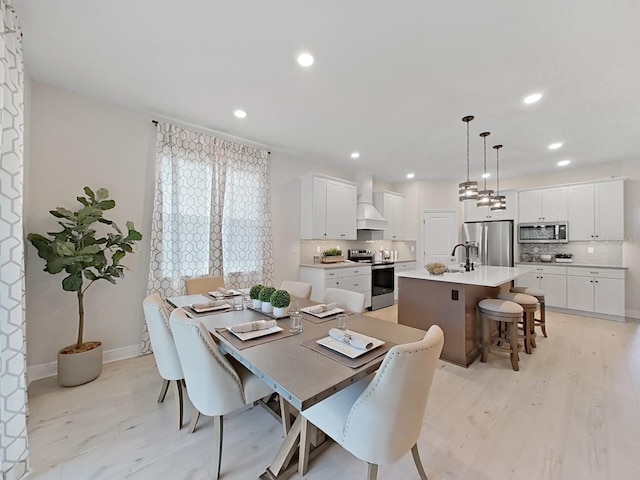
x=484, y=195
x=498, y=202
x=467, y=190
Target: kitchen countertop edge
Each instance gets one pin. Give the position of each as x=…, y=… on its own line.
x=573, y=264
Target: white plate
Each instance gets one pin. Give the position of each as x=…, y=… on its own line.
x=345, y=348
x=328, y=313
x=212, y=308
x=229, y=293
x=256, y=333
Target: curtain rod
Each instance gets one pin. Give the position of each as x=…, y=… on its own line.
x=155, y=122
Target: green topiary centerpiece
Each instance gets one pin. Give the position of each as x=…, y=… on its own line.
x=254, y=293
x=265, y=298
x=280, y=299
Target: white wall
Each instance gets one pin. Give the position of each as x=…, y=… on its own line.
x=76, y=141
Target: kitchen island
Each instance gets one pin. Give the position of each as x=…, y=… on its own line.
x=450, y=301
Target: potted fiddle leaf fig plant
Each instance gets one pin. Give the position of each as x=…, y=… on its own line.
x=84, y=256
x=280, y=300
x=265, y=298
x=254, y=294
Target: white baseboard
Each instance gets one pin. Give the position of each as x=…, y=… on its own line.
x=45, y=370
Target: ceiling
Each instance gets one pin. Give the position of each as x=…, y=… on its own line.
x=391, y=80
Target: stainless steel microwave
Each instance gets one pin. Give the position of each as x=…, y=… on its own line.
x=546, y=232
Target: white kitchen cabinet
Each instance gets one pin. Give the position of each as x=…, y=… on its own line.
x=355, y=279
x=543, y=205
x=328, y=208
x=552, y=280
x=473, y=213
x=598, y=290
x=401, y=267
x=596, y=211
x=391, y=206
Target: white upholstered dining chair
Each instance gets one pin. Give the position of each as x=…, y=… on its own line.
x=379, y=419
x=352, y=301
x=203, y=284
x=216, y=384
x=164, y=350
x=297, y=289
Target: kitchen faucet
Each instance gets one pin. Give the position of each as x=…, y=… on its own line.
x=467, y=264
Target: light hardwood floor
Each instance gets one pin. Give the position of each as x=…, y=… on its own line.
x=571, y=412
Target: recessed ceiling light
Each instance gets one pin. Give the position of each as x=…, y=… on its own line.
x=555, y=146
x=411, y=175
x=355, y=155
x=240, y=113
x=486, y=175
x=305, y=59
x=564, y=163
x=533, y=98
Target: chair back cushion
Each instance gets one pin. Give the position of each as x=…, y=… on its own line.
x=352, y=301
x=203, y=284
x=297, y=289
x=164, y=349
x=386, y=419
x=213, y=384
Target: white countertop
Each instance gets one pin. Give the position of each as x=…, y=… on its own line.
x=483, y=275
x=345, y=264
x=571, y=264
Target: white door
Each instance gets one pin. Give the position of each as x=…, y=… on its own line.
x=439, y=235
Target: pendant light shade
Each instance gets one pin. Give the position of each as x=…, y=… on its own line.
x=467, y=190
x=484, y=195
x=498, y=202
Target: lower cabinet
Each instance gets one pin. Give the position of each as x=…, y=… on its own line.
x=356, y=279
x=401, y=267
x=598, y=290
x=552, y=280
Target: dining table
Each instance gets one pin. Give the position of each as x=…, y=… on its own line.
x=300, y=371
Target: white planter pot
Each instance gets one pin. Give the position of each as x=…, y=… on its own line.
x=266, y=307
x=257, y=303
x=78, y=368
x=280, y=311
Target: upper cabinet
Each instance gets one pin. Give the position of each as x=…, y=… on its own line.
x=543, y=205
x=328, y=208
x=473, y=213
x=596, y=211
x=391, y=206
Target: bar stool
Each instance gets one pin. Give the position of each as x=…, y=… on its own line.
x=504, y=312
x=539, y=294
x=529, y=305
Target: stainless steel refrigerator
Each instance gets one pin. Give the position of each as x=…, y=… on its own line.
x=491, y=243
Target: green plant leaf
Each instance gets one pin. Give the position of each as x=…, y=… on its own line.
x=72, y=283
x=83, y=201
x=62, y=213
x=102, y=194
x=106, y=204
x=89, y=193
x=89, y=275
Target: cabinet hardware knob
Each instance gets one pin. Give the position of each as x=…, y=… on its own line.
x=596, y=281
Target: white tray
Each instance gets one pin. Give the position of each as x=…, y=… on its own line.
x=345, y=348
x=256, y=333
x=328, y=313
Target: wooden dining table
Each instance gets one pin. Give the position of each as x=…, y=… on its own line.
x=301, y=375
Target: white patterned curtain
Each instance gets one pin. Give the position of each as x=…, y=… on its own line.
x=13, y=392
x=211, y=213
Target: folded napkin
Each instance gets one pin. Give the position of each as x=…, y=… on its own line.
x=356, y=340
x=204, y=306
x=321, y=308
x=252, y=326
x=225, y=291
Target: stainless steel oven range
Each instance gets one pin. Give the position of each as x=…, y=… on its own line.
x=382, y=278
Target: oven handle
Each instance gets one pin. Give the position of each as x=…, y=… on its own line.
x=381, y=267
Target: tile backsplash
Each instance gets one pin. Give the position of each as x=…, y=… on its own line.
x=596, y=253
x=308, y=248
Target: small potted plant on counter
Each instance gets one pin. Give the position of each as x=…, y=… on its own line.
x=332, y=255
x=280, y=300
x=265, y=298
x=254, y=294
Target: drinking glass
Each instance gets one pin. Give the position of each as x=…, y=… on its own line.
x=341, y=322
x=295, y=326
x=294, y=306
x=238, y=302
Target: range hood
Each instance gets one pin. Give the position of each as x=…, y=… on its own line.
x=367, y=216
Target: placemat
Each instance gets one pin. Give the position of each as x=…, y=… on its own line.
x=314, y=319
x=242, y=344
x=349, y=362
x=193, y=314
